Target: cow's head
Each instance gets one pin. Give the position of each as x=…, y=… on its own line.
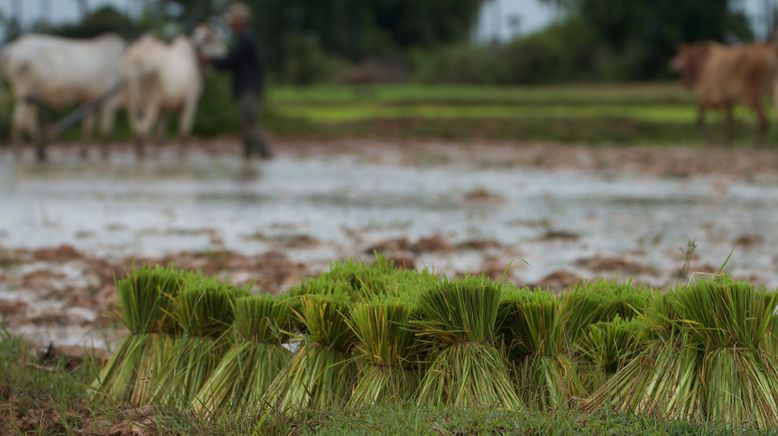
x=689, y=61
x=208, y=41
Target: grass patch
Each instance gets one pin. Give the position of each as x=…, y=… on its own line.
x=638, y=113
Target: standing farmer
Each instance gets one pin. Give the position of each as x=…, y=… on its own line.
x=244, y=63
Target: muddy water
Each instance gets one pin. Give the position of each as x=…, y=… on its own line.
x=542, y=221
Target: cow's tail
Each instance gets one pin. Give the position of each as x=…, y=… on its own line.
x=5, y=89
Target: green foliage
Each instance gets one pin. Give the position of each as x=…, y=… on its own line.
x=648, y=30
x=100, y=21
x=596, y=40
x=218, y=112
x=306, y=62
x=349, y=29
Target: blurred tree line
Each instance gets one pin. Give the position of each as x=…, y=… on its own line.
x=595, y=40
x=304, y=41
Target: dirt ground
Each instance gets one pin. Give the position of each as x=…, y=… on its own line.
x=538, y=214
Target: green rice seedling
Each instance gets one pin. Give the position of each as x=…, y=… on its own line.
x=204, y=311
x=708, y=358
x=534, y=326
x=144, y=300
x=579, y=308
x=363, y=281
x=383, y=352
x=321, y=285
x=609, y=345
x=321, y=374
x=603, y=300
x=624, y=299
x=773, y=343
x=606, y=347
x=465, y=367
x=253, y=361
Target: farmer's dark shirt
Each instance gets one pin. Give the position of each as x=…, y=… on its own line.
x=244, y=62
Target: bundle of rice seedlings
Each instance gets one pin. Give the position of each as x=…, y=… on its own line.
x=321, y=374
x=623, y=299
x=144, y=300
x=708, y=359
x=603, y=300
x=384, y=351
x=534, y=326
x=357, y=279
x=465, y=367
x=579, y=307
x=204, y=311
x=363, y=281
x=256, y=356
x=608, y=346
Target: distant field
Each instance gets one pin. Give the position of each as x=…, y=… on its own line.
x=661, y=113
x=638, y=113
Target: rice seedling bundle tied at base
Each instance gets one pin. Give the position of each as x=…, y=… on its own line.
x=464, y=368
x=204, y=311
x=145, y=303
x=321, y=374
x=254, y=359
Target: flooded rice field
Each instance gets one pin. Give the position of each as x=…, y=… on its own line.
x=541, y=215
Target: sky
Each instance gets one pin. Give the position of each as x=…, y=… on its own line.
x=505, y=18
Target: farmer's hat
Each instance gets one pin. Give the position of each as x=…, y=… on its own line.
x=237, y=11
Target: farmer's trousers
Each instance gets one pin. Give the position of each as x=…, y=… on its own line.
x=253, y=138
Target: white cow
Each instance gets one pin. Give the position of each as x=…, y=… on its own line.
x=164, y=78
x=61, y=72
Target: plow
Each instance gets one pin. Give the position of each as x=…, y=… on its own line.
x=53, y=130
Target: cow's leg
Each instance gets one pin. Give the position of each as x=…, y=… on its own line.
x=87, y=128
x=150, y=117
x=37, y=135
x=763, y=124
x=185, y=124
x=18, y=126
x=107, y=121
x=700, y=123
x=728, y=124
x=160, y=133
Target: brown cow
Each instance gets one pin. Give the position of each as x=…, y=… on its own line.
x=723, y=76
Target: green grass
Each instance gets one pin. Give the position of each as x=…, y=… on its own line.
x=638, y=113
